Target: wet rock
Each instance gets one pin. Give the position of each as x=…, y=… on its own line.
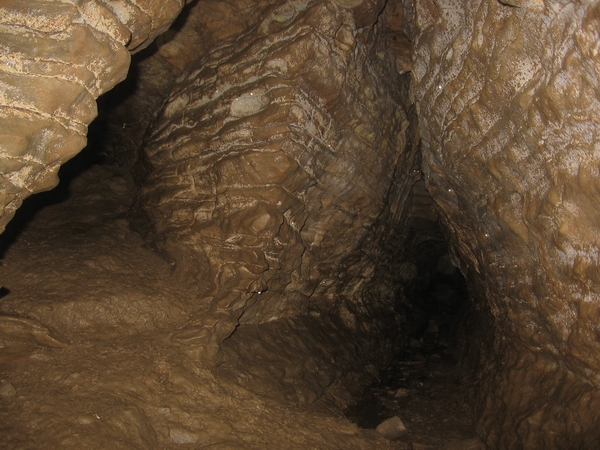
x=392, y=428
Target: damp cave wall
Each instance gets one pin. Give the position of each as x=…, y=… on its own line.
x=280, y=186
x=506, y=97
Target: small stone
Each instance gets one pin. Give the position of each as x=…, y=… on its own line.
x=402, y=392
x=7, y=390
x=392, y=428
x=248, y=104
x=86, y=419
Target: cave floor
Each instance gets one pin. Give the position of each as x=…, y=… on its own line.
x=88, y=359
x=425, y=387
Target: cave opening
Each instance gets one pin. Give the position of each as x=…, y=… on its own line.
x=427, y=304
x=298, y=210
x=93, y=264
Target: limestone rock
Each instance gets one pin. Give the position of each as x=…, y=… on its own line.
x=392, y=428
x=509, y=105
x=268, y=168
x=56, y=59
x=279, y=171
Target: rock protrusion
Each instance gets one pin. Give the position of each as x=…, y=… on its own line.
x=56, y=58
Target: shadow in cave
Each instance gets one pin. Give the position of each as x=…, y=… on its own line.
x=93, y=154
x=34, y=204
x=424, y=385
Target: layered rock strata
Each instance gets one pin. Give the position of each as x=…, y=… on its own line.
x=274, y=164
x=509, y=106
x=56, y=58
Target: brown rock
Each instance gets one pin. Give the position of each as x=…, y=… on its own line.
x=278, y=175
x=508, y=104
x=244, y=168
x=57, y=58
x=392, y=428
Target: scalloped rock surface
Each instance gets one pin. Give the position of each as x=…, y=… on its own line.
x=509, y=108
x=278, y=166
x=56, y=58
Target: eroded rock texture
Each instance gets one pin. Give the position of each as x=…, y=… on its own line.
x=277, y=168
x=56, y=58
x=509, y=104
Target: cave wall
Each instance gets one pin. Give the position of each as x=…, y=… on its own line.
x=259, y=156
x=278, y=167
x=508, y=105
x=56, y=58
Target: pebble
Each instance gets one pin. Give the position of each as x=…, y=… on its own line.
x=86, y=419
x=402, y=393
x=7, y=390
x=392, y=428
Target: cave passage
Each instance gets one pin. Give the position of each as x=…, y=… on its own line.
x=423, y=383
x=300, y=224
x=419, y=381
x=435, y=291
x=63, y=243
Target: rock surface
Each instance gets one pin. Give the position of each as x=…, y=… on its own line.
x=123, y=382
x=273, y=177
x=280, y=177
x=509, y=106
x=56, y=58
x=392, y=428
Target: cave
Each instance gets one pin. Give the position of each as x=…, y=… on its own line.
x=274, y=214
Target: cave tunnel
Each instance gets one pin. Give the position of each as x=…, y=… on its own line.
x=299, y=224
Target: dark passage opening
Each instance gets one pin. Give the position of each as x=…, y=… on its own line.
x=424, y=384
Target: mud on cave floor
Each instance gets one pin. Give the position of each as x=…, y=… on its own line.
x=87, y=358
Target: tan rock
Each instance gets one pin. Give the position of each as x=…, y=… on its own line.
x=392, y=428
